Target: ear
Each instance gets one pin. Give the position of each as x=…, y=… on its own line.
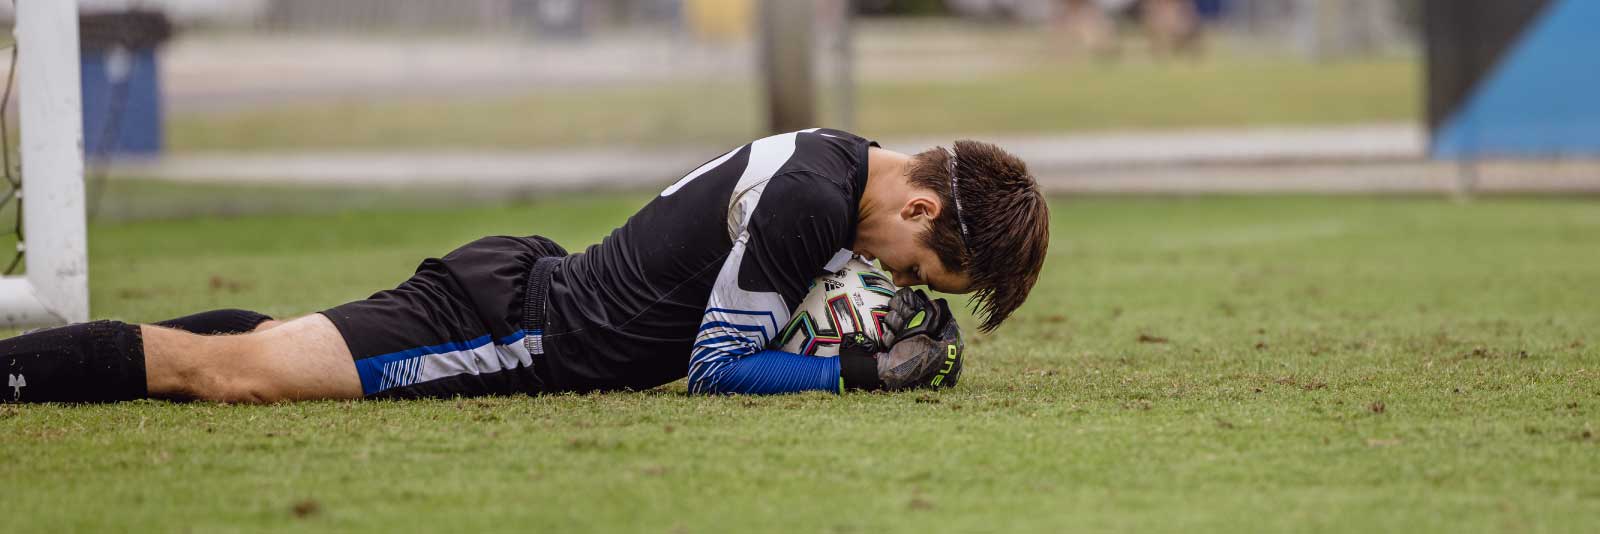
x=920, y=207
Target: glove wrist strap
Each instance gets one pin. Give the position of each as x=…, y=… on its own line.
x=859, y=372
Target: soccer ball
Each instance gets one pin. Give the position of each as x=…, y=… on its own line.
x=853, y=299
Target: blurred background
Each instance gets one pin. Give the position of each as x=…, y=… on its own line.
x=536, y=95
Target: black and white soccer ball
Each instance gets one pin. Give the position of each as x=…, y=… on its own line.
x=853, y=299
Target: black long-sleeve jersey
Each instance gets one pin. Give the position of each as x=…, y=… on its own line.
x=701, y=279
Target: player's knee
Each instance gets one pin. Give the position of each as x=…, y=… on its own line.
x=216, y=383
x=206, y=382
x=243, y=388
x=217, y=387
x=229, y=375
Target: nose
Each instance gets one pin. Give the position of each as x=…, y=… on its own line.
x=902, y=280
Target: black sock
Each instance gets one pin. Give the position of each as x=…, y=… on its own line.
x=102, y=361
x=217, y=322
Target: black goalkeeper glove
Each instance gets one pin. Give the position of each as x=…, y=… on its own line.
x=924, y=348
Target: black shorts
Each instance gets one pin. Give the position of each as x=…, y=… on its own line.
x=467, y=324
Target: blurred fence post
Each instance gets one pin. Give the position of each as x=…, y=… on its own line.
x=845, y=63
x=1315, y=21
x=1333, y=29
x=786, y=65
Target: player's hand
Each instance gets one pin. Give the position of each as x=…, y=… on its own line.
x=924, y=343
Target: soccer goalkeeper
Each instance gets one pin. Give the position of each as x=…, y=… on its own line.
x=696, y=283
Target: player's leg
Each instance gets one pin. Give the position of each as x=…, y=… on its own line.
x=101, y=361
x=303, y=359
x=457, y=327
x=105, y=361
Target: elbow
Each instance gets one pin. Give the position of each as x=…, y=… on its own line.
x=710, y=386
x=704, y=379
x=702, y=386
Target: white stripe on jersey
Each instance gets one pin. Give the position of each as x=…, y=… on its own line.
x=724, y=159
x=766, y=157
x=697, y=172
x=728, y=302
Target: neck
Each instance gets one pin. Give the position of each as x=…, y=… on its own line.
x=886, y=190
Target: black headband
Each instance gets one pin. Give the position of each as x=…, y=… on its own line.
x=955, y=193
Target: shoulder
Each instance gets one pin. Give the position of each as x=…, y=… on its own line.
x=827, y=167
x=807, y=211
x=832, y=152
x=806, y=192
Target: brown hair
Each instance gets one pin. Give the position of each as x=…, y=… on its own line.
x=1006, y=219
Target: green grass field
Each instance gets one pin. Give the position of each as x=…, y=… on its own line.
x=1186, y=364
x=1052, y=97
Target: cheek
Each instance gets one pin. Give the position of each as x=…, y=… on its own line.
x=902, y=255
x=886, y=258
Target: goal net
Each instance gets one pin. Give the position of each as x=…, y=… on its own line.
x=47, y=277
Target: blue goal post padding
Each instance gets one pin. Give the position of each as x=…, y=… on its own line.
x=1533, y=90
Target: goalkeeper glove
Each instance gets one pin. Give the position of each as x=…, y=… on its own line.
x=925, y=348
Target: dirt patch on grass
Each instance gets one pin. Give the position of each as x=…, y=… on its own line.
x=1305, y=384
x=1487, y=353
x=306, y=508
x=220, y=284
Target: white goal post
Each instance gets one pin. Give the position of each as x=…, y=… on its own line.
x=55, y=287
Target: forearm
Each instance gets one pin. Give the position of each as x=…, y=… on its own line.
x=767, y=372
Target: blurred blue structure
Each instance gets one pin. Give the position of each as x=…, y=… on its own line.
x=1538, y=97
x=1212, y=9
x=121, y=82
x=121, y=102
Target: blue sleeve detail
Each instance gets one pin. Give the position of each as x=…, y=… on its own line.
x=764, y=372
